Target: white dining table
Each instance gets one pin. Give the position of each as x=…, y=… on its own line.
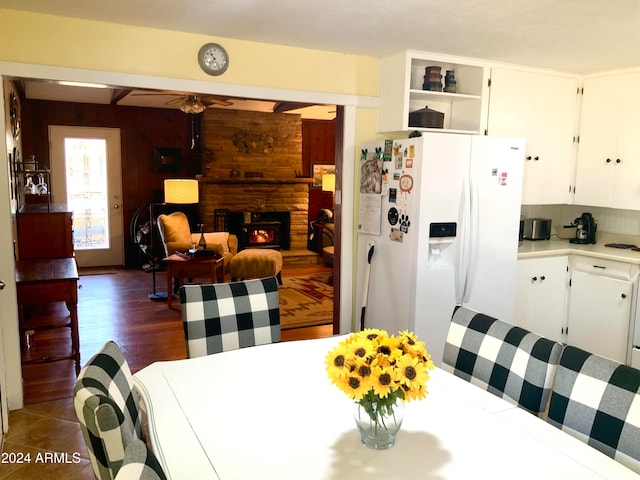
x=270, y=412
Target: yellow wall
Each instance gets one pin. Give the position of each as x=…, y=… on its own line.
x=67, y=42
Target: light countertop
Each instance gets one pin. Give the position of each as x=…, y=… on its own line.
x=557, y=246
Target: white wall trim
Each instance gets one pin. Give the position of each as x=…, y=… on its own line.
x=129, y=80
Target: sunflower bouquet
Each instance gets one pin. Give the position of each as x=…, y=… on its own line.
x=377, y=370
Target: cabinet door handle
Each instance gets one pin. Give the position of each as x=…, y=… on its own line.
x=624, y=295
x=542, y=278
x=536, y=158
x=528, y=157
x=608, y=160
x=534, y=279
x=618, y=160
x=600, y=267
x=2, y=285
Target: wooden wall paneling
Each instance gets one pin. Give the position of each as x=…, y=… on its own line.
x=141, y=129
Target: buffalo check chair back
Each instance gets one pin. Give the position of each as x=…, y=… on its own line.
x=226, y=316
x=597, y=400
x=140, y=464
x=506, y=360
x=107, y=409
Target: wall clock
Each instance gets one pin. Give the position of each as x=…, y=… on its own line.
x=213, y=59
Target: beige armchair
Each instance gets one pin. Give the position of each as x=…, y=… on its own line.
x=176, y=236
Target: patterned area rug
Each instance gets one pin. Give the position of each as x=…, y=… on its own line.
x=306, y=300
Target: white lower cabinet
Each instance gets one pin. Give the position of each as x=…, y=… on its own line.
x=600, y=312
x=577, y=300
x=541, y=293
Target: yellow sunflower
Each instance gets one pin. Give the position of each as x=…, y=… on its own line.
x=383, y=381
x=361, y=347
x=418, y=394
x=388, y=351
x=411, y=345
x=337, y=362
x=412, y=372
x=373, y=334
x=362, y=367
x=354, y=385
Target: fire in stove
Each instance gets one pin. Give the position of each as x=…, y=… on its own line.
x=261, y=235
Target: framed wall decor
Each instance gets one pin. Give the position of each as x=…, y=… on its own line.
x=167, y=159
x=318, y=170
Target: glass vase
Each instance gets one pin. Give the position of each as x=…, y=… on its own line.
x=378, y=431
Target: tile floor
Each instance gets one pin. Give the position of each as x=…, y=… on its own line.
x=60, y=455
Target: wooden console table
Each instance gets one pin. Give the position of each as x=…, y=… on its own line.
x=41, y=281
x=181, y=268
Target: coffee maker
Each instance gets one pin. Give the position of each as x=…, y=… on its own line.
x=585, y=229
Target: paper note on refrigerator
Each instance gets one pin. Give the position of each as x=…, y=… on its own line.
x=369, y=213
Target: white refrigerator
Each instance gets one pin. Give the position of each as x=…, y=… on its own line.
x=438, y=226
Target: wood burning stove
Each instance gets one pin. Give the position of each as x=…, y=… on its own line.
x=261, y=234
x=260, y=229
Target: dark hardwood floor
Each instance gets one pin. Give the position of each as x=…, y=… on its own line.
x=116, y=307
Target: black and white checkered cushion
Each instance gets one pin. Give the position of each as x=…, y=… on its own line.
x=107, y=409
x=506, y=360
x=226, y=316
x=598, y=401
x=140, y=464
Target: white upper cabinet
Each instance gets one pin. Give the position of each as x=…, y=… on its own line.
x=542, y=108
x=608, y=169
x=401, y=79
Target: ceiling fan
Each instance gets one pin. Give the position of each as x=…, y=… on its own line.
x=190, y=103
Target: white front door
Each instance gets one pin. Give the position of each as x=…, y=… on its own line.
x=86, y=175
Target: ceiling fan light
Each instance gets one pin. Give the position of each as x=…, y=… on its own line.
x=192, y=105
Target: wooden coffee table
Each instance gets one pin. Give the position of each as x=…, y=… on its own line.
x=180, y=267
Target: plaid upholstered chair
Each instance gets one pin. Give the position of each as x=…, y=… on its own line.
x=107, y=409
x=597, y=401
x=140, y=464
x=226, y=316
x=503, y=359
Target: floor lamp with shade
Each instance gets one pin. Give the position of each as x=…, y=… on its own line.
x=177, y=191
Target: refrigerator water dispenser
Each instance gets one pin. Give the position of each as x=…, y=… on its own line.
x=442, y=236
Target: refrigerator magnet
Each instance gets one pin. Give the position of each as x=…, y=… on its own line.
x=392, y=216
x=406, y=183
x=404, y=223
x=388, y=150
x=395, y=235
x=393, y=194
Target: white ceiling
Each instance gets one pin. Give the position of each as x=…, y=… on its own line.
x=578, y=36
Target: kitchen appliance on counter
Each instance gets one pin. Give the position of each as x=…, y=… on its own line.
x=585, y=229
x=537, y=229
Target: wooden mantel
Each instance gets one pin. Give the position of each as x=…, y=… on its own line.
x=254, y=181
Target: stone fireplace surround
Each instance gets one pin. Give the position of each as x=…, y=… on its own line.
x=253, y=163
